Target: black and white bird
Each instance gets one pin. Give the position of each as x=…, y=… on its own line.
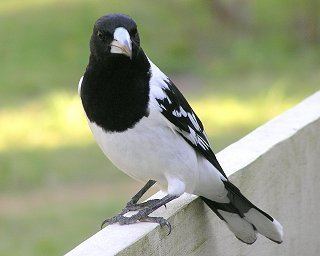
x=146, y=127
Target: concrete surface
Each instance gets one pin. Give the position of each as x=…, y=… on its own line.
x=277, y=166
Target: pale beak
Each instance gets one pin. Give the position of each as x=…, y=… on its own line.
x=122, y=42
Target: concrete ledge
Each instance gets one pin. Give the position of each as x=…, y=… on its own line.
x=277, y=166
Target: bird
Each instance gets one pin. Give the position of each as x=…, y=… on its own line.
x=148, y=130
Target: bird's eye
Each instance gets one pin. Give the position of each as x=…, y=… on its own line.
x=100, y=35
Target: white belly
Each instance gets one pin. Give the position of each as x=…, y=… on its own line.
x=151, y=151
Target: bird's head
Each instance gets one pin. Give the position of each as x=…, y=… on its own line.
x=115, y=36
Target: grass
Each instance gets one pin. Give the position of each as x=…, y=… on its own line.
x=55, y=184
x=51, y=230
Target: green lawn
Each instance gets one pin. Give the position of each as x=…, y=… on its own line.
x=55, y=184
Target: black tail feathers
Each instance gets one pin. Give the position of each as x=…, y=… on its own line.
x=243, y=218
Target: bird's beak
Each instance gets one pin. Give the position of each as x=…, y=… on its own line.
x=122, y=42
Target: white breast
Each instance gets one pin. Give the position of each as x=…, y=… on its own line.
x=151, y=150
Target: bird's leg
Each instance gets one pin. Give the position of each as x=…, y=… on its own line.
x=143, y=214
x=132, y=204
x=137, y=207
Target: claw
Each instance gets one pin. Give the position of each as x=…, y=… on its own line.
x=161, y=221
x=109, y=221
x=105, y=222
x=167, y=224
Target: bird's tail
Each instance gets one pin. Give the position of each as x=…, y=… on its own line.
x=244, y=219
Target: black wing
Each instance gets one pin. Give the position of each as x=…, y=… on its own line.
x=178, y=111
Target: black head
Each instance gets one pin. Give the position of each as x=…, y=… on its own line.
x=115, y=87
x=115, y=36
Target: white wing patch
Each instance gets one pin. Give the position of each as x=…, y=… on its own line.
x=159, y=85
x=165, y=98
x=203, y=143
x=157, y=77
x=194, y=138
x=194, y=121
x=179, y=113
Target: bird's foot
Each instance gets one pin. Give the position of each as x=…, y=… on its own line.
x=131, y=206
x=144, y=209
x=141, y=216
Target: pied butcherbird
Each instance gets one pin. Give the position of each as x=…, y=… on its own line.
x=146, y=127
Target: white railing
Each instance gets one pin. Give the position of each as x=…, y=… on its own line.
x=277, y=166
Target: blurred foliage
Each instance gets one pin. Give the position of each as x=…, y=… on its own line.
x=239, y=62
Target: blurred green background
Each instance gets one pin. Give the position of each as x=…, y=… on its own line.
x=239, y=63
